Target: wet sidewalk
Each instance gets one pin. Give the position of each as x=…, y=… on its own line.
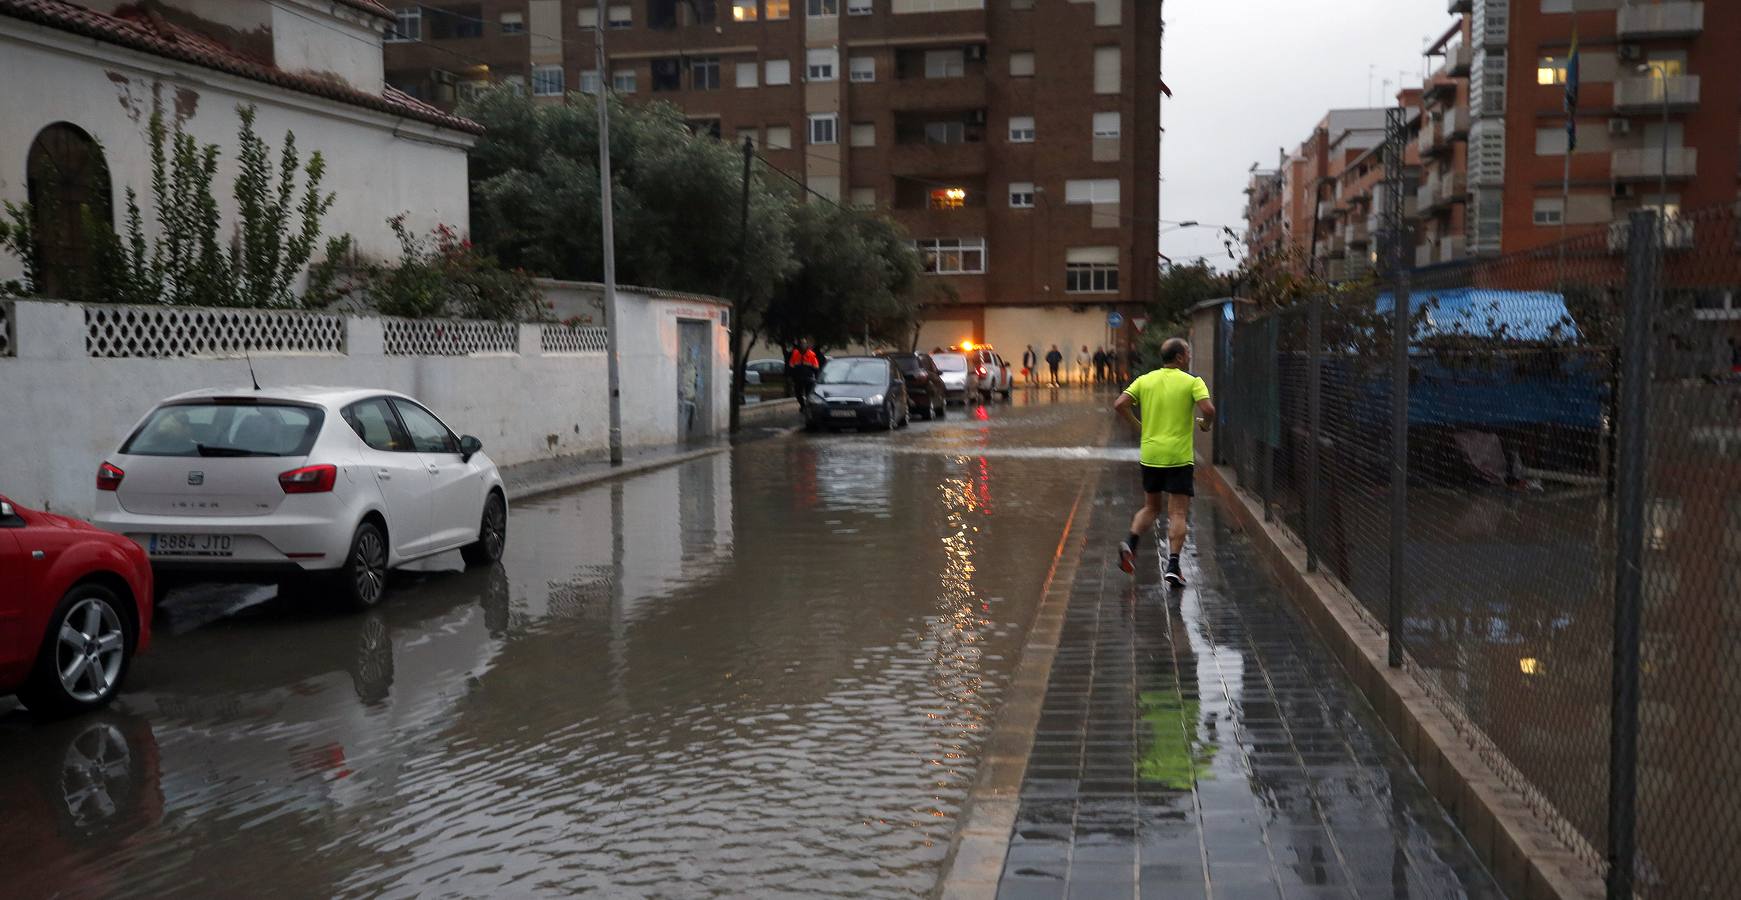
x=1203, y=744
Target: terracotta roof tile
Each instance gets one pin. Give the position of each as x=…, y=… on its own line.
x=151, y=34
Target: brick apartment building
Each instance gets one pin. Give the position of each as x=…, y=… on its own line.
x=1024, y=166
x=1487, y=164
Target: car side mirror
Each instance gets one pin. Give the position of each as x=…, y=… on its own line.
x=469, y=445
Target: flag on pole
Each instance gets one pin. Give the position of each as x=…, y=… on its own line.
x=1572, y=96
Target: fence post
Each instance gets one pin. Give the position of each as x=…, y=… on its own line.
x=1643, y=257
x=1395, y=138
x=1314, y=415
x=1271, y=414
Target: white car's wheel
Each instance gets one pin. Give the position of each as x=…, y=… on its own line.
x=492, y=534
x=362, y=581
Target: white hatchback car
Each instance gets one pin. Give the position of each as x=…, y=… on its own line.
x=346, y=482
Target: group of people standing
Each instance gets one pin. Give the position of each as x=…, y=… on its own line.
x=1101, y=367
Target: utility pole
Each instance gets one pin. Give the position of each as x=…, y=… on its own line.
x=742, y=298
x=613, y=376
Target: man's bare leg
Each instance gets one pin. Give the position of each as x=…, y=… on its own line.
x=1153, y=505
x=1178, y=518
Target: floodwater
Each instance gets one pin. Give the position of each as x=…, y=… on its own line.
x=769, y=671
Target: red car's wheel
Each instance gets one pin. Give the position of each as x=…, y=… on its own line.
x=84, y=656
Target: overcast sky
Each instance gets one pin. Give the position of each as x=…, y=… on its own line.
x=1251, y=76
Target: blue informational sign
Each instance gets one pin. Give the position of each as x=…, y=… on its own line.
x=1116, y=320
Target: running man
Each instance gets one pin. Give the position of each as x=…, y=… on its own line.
x=1164, y=401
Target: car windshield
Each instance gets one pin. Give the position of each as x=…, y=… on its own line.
x=856, y=371
x=226, y=428
x=950, y=362
x=908, y=365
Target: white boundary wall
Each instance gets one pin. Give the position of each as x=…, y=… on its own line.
x=62, y=410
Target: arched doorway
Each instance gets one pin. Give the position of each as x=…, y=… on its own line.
x=67, y=180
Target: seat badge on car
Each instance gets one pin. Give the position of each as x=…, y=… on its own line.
x=196, y=478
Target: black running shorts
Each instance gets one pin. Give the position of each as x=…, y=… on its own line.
x=1170, y=480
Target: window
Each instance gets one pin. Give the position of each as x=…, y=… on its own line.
x=1106, y=70
x=862, y=68
x=704, y=128
x=1550, y=70
x=743, y=10
x=1549, y=211
x=1106, y=125
x=374, y=422
x=457, y=22
x=1021, y=63
x=817, y=8
x=513, y=23
x=864, y=134
x=945, y=133
x=1090, y=270
x=546, y=81
x=779, y=137
x=1021, y=129
x=67, y=178
x=945, y=63
x=589, y=81
x=751, y=134
x=1091, y=190
x=1021, y=195
x=858, y=7
x=901, y=7
x=819, y=64
x=427, y=433
x=779, y=71
x=623, y=81
x=619, y=17
x=275, y=429
x=823, y=128
x=667, y=74
x=862, y=198
x=946, y=198
x=1551, y=141
x=747, y=72
x=407, y=25
x=704, y=73
x=587, y=17
x=777, y=9
x=951, y=256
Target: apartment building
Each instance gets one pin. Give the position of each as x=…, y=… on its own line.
x=1018, y=142
x=1299, y=212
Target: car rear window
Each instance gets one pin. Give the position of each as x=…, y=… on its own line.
x=227, y=428
x=950, y=362
x=907, y=364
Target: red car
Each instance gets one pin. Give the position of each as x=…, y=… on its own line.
x=75, y=606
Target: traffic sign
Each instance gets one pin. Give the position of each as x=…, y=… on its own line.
x=1139, y=323
x=1116, y=320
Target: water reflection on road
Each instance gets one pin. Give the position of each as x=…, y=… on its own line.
x=767, y=670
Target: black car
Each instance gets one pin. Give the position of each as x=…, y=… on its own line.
x=925, y=395
x=858, y=391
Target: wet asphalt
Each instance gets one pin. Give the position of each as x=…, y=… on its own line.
x=769, y=672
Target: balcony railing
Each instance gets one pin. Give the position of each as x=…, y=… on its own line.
x=1424, y=195
x=1646, y=163
x=1657, y=20
x=1677, y=234
x=1457, y=60
x=1450, y=189
x=1359, y=231
x=1429, y=136
x=1648, y=93
x=937, y=159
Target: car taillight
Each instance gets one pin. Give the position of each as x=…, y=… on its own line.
x=980, y=371
x=109, y=477
x=309, y=480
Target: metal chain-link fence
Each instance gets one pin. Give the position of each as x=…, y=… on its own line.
x=1555, y=521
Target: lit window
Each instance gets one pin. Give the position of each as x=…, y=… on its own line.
x=743, y=10
x=817, y=8
x=948, y=198
x=1021, y=195
x=824, y=128
x=779, y=137
x=546, y=81
x=1106, y=125
x=819, y=64
x=747, y=72
x=777, y=9
x=623, y=81
x=704, y=73
x=513, y=23
x=1550, y=70
x=1021, y=129
x=779, y=71
x=1021, y=63
x=858, y=7
x=407, y=25
x=951, y=256
x=862, y=68
x=620, y=16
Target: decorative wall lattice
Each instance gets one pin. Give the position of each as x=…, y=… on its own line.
x=448, y=337
x=114, y=332
x=559, y=338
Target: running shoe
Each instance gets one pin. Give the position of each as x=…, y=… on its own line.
x=1126, y=558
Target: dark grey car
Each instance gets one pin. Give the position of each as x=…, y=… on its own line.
x=859, y=392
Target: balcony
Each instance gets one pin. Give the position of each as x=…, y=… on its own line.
x=1358, y=233
x=1458, y=58
x=1456, y=123
x=1646, y=94
x=1338, y=245
x=1424, y=255
x=1451, y=188
x=928, y=94
x=1425, y=193
x=937, y=159
x=1677, y=234
x=1429, y=136
x=1335, y=270
x=1451, y=248
x=1661, y=20
x=1647, y=163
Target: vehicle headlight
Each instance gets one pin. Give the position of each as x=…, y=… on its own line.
x=875, y=399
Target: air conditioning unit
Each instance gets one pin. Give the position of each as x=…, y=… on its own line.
x=976, y=52
x=1619, y=126
x=1631, y=53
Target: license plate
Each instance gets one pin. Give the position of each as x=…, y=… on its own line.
x=189, y=545
x=844, y=413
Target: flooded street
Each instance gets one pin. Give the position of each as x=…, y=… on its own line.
x=767, y=671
